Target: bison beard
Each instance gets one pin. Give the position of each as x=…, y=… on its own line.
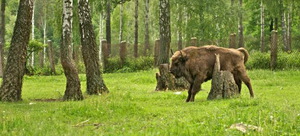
x=196, y=64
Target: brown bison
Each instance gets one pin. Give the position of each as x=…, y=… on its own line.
x=196, y=64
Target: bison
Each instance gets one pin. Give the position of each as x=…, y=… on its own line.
x=196, y=64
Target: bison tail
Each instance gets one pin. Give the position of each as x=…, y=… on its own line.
x=245, y=52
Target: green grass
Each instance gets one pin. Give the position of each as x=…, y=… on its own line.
x=133, y=108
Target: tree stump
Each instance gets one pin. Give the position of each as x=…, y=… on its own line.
x=274, y=44
x=123, y=52
x=232, y=40
x=51, y=57
x=165, y=80
x=223, y=84
x=193, y=41
x=105, y=53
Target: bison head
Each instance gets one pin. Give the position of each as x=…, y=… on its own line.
x=177, y=68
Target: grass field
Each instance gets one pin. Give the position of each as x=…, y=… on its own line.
x=133, y=108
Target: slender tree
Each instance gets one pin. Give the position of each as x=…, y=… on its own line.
x=165, y=31
x=95, y=83
x=121, y=22
x=289, y=28
x=11, y=87
x=262, y=30
x=73, y=90
x=179, y=26
x=32, y=33
x=147, y=37
x=2, y=35
x=108, y=26
x=241, y=28
x=136, y=28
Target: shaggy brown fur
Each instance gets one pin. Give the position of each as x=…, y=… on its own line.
x=196, y=64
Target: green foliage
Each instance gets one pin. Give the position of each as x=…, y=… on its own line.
x=133, y=108
x=35, y=46
x=285, y=60
x=130, y=65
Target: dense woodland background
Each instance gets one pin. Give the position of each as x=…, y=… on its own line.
x=211, y=22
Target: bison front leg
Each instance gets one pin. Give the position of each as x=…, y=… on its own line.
x=195, y=88
x=189, y=93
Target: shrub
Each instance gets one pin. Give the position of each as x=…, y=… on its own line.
x=285, y=60
x=130, y=65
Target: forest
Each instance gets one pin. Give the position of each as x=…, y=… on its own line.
x=96, y=67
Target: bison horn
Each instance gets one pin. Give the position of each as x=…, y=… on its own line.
x=172, y=52
x=181, y=54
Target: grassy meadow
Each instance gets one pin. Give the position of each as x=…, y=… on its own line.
x=133, y=108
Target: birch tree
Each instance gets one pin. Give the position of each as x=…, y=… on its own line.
x=73, y=90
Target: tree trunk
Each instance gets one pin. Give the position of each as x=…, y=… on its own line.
x=156, y=52
x=51, y=57
x=179, y=21
x=241, y=28
x=136, y=28
x=45, y=39
x=73, y=90
x=223, y=84
x=43, y=52
x=262, y=28
x=147, y=37
x=95, y=83
x=2, y=36
x=289, y=28
x=165, y=31
x=274, y=42
x=284, y=32
x=32, y=33
x=108, y=27
x=121, y=23
x=11, y=87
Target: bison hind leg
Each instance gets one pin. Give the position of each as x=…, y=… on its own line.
x=244, y=77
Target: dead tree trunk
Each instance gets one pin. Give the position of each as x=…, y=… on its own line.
x=165, y=80
x=123, y=52
x=274, y=42
x=232, y=41
x=223, y=84
x=105, y=53
x=193, y=41
x=51, y=57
